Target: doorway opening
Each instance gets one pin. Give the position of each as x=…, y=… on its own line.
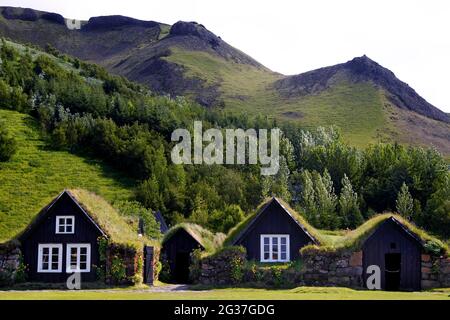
x=181, y=273
x=392, y=267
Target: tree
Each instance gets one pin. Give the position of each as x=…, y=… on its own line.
x=200, y=213
x=350, y=214
x=308, y=200
x=405, y=203
x=149, y=195
x=325, y=201
x=436, y=216
x=278, y=184
x=224, y=220
x=8, y=145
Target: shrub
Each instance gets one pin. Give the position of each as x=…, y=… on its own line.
x=8, y=145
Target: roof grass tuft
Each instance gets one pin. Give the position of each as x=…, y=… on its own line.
x=210, y=241
x=354, y=240
x=236, y=231
x=107, y=218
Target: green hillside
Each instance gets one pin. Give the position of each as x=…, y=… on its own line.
x=366, y=101
x=36, y=174
x=360, y=109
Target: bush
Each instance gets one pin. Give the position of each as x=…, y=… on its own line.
x=8, y=145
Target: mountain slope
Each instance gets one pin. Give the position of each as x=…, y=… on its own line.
x=364, y=99
x=48, y=172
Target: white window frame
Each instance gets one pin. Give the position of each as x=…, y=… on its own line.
x=50, y=246
x=78, y=246
x=271, y=237
x=58, y=224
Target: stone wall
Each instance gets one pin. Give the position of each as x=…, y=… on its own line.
x=224, y=267
x=333, y=269
x=337, y=269
x=435, y=272
x=9, y=265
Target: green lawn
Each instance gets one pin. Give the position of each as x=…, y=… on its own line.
x=300, y=293
x=36, y=174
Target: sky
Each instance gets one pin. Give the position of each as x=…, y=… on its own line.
x=409, y=37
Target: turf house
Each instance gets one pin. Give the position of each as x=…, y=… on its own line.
x=80, y=232
x=178, y=245
x=275, y=233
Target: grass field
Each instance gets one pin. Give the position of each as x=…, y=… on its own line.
x=300, y=293
x=36, y=174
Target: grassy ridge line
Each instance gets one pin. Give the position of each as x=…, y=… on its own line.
x=356, y=108
x=36, y=174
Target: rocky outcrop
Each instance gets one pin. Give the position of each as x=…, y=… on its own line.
x=107, y=23
x=194, y=36
x=182, y=28
x=25, y=14
x=358, y=70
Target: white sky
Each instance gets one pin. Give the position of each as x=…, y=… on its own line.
x=411, y=38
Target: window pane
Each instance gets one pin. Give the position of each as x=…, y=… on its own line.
x=283, y=255
x=83, y=251
x=283, y=240
x=274, y=241
x=69, y=229
x=55, y=265
x=45, y=251
x=61, y=228
x=266, y=240
x=73, y=257
x=83, y=266
x=266, y=255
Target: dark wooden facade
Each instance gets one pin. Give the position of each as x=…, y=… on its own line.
x=273, y=219
x=177, y=250
x=43, y=231
x=398, y=254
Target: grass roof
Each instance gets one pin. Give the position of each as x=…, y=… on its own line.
x=104, y=215
x=354, y=240
x=237, y=231
x=210, y=241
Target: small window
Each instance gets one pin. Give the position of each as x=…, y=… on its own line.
x=49, y=258
x=275, y=248
x=78, y=258
x=65, y=224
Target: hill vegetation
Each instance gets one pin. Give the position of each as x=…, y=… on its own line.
x=366, y=101
x=36, y=174
x=84, y=110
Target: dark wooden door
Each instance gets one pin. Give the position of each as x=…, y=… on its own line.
x=392, y=262
x=148, y=265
